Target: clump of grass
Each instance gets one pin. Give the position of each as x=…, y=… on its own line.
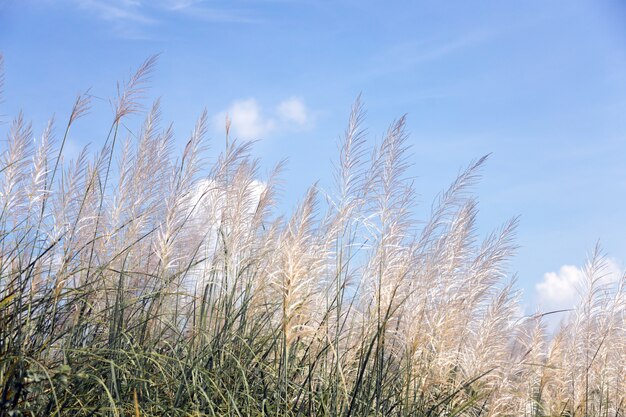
x=169, y=286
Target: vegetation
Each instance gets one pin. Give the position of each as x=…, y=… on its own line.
x=159, y=286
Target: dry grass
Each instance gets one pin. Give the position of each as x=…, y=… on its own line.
x=163, y=286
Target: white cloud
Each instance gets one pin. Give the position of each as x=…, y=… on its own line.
x=247, y=120
x=250, y=121
x=208, y=203
x=560, y=290
x=560, y=287
x=293, y=110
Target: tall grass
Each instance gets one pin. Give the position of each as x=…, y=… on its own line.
x=164, y=285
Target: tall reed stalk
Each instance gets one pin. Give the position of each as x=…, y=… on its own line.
x=163, y=285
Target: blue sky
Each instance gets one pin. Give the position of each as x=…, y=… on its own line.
x=540, y=84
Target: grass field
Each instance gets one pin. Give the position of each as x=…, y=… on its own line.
x=136, y=282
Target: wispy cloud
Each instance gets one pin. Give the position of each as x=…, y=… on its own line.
x=250, y=121
x=181, y=4
x=142, y=14
x=407, y=55
x=116, y=10
x=197, y=11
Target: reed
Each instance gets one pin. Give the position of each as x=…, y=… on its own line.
x=164, y=285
